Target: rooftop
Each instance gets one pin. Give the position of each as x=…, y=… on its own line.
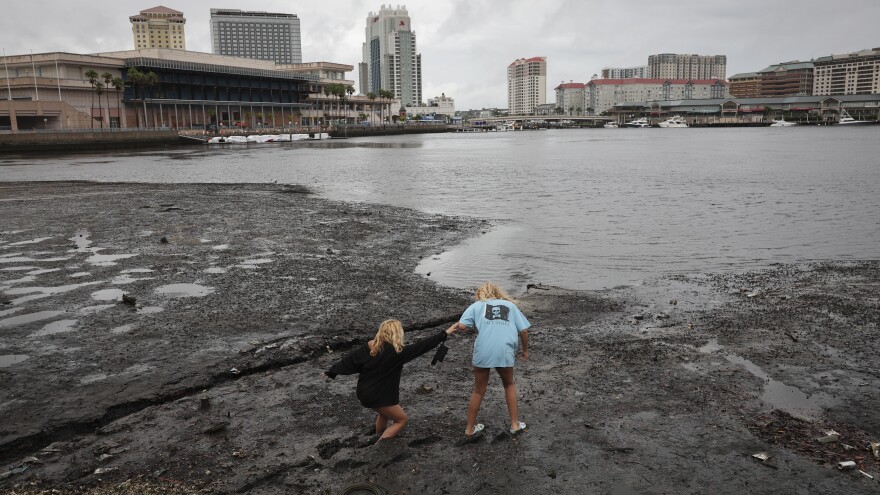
x=161, y=10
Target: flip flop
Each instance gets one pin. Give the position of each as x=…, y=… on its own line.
x=477, y=428
x=522, y=426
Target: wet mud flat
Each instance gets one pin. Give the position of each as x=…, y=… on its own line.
x=671, y=386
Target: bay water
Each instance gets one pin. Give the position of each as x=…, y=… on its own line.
x=578, y=208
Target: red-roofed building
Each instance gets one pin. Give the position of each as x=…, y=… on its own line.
x=570, y=98
x=603, y=94
x=158, y=27
x=526, y=85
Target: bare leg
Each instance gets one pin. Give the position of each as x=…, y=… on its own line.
x=381, y=424
x=506, y=375
x=481, y=380
x=396, y=415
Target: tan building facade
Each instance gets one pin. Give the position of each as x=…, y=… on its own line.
x=687, y=66
x=159, y=27
x=526, y=85
x=848, y=74
x=603, y=94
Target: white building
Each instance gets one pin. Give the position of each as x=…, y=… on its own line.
x=256, y=35
x=390, y=58
x=687, y=66
x=526, y=85
x=847, y=74
x=440, y=108
x=640, y=72
x=570, y=98
x=603, y=94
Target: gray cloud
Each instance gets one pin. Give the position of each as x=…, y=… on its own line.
x=466, y=45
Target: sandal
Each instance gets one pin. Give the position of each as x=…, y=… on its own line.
x=477, y=428
x=522, y=426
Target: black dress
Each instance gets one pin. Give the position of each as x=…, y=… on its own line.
x=379, y=381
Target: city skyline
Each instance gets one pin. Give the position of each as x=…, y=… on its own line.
x=467, y=46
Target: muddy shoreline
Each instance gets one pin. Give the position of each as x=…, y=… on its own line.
x=208, y=381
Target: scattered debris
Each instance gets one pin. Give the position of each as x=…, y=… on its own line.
x=846, y=465
x=831, y=436
x=762, y=456
x=204, y=402
x=874, y=447
x=870, y=477
x=103, y=458
x=130, y=300
x=163, y=240
x=104, y=470
x=216, y=427
x=235, y=371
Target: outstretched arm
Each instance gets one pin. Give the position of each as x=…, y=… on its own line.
x=524, y=344
x=348, y=365
x=424, y=345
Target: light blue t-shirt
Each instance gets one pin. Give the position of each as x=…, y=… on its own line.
x=498, y=324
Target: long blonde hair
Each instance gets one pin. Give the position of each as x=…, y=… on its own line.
x=491, y=291
x=390, y=331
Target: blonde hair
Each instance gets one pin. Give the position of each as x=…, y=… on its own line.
x=491, y=291
x=390, y=331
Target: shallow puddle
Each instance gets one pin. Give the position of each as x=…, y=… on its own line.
x=32, y=241
x=215, y=269
x=29, y=318
x=18, y=268
x=775, y=394
x=184, y=290
x=122, y=328
x=8, y=360
x=60, y=326
x=79, y=274
x=221, y=247
x=44, y=270
x=107, y=259
x=43, y=292
x=108, y=295
x=127, y=279
x=81, y=239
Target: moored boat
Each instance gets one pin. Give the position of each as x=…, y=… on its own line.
x=642, y=122
x=674, y=121
x=782, y=123
x=847, y=119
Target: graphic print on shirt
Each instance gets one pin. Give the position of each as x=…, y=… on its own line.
x=499, y=312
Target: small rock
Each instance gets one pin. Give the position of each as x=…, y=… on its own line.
x=104, y=470
x=164, y=240
x=130, y=300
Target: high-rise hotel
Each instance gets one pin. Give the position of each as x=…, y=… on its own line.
x=526, y=85
x=159, y=27
x=687, y=66
x=256, y=35
x=390, y=59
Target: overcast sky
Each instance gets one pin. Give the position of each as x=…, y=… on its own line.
x=466, y=45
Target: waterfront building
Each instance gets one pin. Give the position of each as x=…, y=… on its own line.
x=159, y=27
x=257, y=35
x=640, y=72
x=545, y=109
x=526, y=85
x=570, y=98
x=744, y=85
x=52, y=92
x=848, y=74
x=762, y=110
x=391, y=60
x=687, y=66
x=439, y=108
x=603, y=94
x=786, y=79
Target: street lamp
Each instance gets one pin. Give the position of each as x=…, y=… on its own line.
x=45, y=123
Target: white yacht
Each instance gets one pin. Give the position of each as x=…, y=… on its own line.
x=846, y=119
x=675, y=121
x=611, y=125
x=642, y=122
x=782, y=123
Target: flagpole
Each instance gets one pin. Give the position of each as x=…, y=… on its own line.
x=34, y=67
x=8, y=87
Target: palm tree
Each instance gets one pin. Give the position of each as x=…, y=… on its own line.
x=349, y=90
x=372, y=96
x=93, y=79
x=108, y=78
x=99, y=90
x=118, y=84
x=327, y=92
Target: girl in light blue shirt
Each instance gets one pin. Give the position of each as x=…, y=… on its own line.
x=501, y=328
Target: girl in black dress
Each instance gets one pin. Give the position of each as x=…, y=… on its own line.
x=380, y=362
